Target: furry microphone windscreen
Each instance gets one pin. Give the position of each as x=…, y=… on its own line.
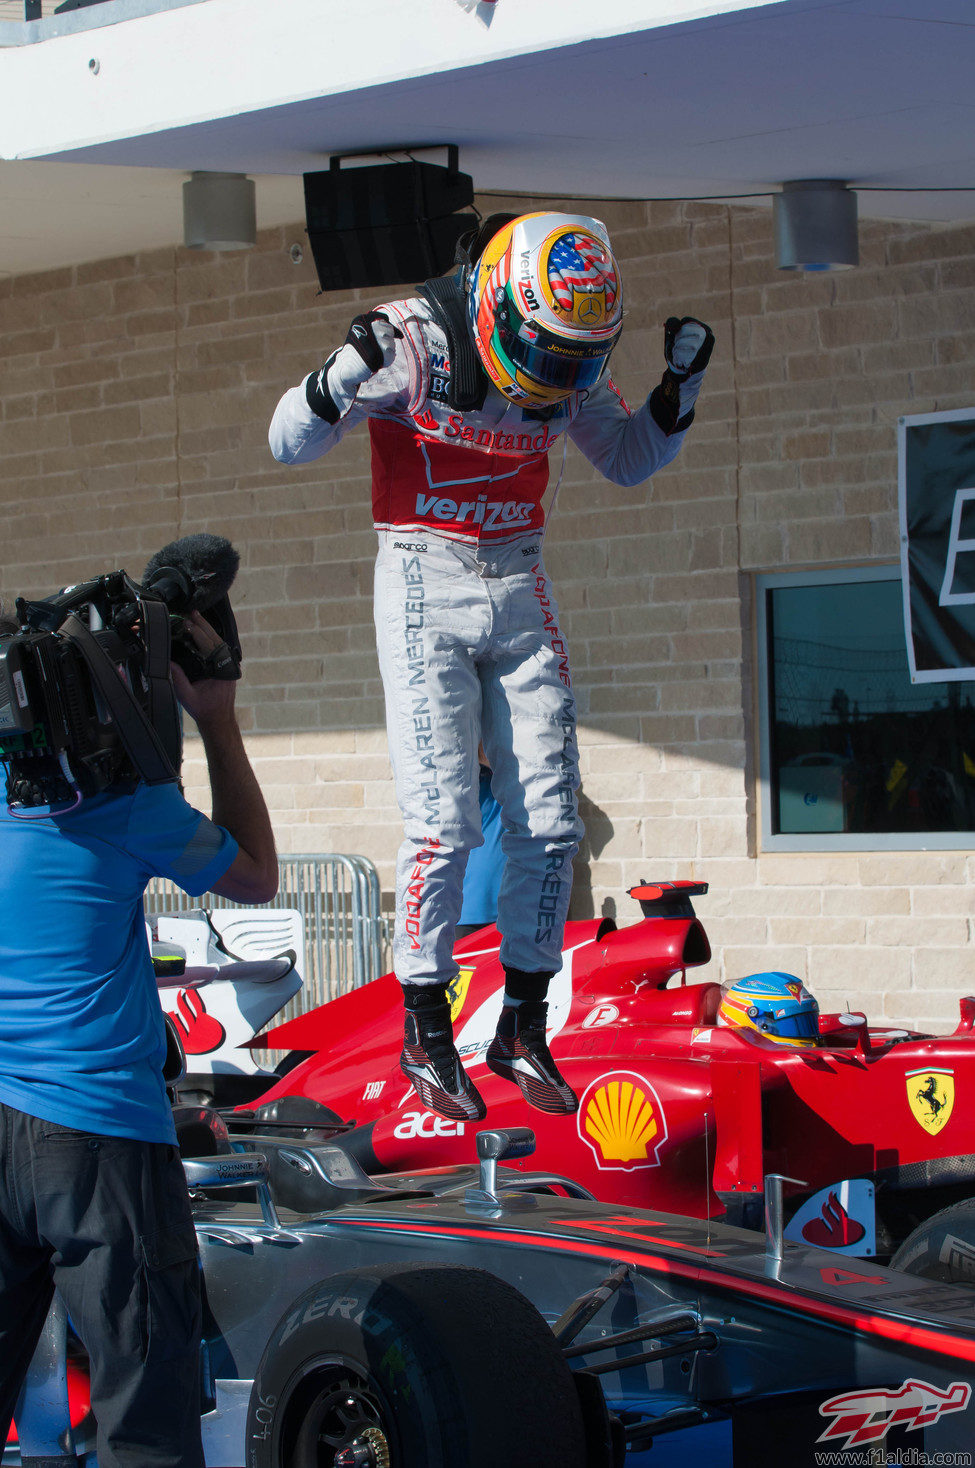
x=193, y=573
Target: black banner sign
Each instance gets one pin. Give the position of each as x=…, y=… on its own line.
x=937, y=511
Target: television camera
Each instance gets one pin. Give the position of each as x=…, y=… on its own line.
x=86, y=696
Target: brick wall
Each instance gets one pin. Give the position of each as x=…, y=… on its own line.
x=135, y=399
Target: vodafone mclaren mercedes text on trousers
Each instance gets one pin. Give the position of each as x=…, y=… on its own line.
x=470, y=648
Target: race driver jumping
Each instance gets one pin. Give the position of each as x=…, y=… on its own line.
x=466, y=388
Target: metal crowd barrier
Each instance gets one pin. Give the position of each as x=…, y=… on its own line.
x=346, y=936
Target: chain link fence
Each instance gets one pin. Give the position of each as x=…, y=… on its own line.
x=346, y=935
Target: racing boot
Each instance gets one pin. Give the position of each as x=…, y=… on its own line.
x=519, y=1053
x=429, y=1060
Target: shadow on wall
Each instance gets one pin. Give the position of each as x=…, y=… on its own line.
x=599, y=833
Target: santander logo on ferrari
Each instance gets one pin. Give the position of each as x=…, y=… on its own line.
x=863, y=1417
x=833, y=1227
x=198, y=1030
x=841, y=1217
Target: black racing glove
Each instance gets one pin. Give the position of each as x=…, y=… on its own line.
x=688, y=344
x=369, y=347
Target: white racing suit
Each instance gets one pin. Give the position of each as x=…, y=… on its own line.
x=468, y=632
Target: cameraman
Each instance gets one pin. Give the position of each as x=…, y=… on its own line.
x=92, y=1194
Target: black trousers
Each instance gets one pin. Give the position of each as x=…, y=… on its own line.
x=107, y=1221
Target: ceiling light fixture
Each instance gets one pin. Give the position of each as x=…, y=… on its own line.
x=219, y=212
x=815, y=223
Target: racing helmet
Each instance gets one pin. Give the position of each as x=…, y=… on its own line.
x=776, y=1005
x=545, y=306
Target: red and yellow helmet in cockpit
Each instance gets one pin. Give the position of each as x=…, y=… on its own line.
x=776, y=1005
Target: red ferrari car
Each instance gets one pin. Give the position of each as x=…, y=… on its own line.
x=873, y=1127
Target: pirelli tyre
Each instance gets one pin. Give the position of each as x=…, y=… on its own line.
x=414, y=1366
x=942, y=1247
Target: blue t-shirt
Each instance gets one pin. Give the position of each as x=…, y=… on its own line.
x=482, y=879
x=82, y=1040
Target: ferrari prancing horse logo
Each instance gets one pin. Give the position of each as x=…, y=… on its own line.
x=931, y=1097
x=457, y=991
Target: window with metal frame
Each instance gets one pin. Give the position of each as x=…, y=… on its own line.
x=853, y=754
